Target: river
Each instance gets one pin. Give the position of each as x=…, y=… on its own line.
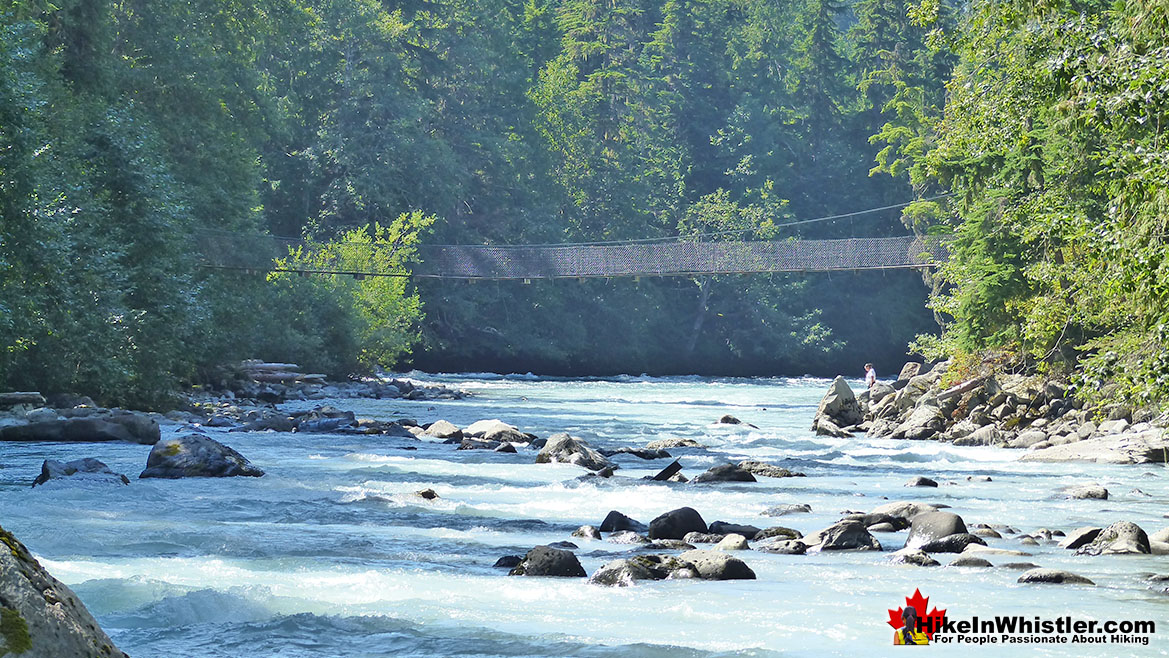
x=333, y=554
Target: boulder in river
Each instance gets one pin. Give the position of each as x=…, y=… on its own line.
x=912, y=557
x=625, y=572
x=782, y=546
x=676, y=524
x=442, y=429
x=928, y=526
x=89, y=469
x=717, y=565
x=1053, y=576
x=788, y=508
x=547, y=561
x=724, y=528
x=1088, y=492
x=40, y=615
x=566, y=449
x=724, y=473
x=767, y=470
x=497, y=430
x=195, y=455
x=616, y=521
x=1121, y=538
x=955, y=543
x=921, y=481
x=843, y=536
x=662, y=444
x=839, y=406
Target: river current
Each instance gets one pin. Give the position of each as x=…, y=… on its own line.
x=333, y=554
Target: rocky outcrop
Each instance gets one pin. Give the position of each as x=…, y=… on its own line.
x=547, y=561
x=195, y=455
x=39, y=615
x=88, y=469
x=1009, y=410
x=563, y=448
x=279, y=382
x=676, y=524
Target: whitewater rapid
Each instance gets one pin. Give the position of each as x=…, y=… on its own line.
x=332, y=553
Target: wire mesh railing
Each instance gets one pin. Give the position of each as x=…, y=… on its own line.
x=502, y=262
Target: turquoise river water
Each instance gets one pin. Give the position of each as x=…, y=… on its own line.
x=332, y=554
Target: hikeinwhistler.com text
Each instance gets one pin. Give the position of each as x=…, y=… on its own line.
x=1017, y=629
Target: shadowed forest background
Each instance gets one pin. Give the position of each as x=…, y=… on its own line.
x=127, y=126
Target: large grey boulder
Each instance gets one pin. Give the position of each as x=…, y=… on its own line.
x=442, y=429
x=89, y=469
x=41, y=617
x=548, y=561
x=717, y=565
x=930, y=526
x=195, y=455
x=1121, y=538
x=676, y=524
x=839, y=406
x=563, y=448
x=843, y=536
x=125, y=426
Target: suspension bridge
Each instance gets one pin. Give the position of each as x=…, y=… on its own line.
x=632, y=258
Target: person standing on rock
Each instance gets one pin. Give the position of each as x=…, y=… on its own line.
x=870, y=375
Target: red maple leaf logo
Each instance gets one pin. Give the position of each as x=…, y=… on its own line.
x=929, y=622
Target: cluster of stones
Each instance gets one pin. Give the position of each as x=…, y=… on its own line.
x=280, y=382
x=1010, y=411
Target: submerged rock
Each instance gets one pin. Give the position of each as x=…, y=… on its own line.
x=41, y=616
x=78, y=469
x=955, y=543
x=789, y=508
x=548, y=561
x=782, y=546
x=195, y=455
x=1088, y=492
x=912, y=557
x=587, y=532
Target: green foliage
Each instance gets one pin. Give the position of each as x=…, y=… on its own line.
x=1051, y=140
x=126, y=128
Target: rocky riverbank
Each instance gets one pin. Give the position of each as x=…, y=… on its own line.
x=1004, y=410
